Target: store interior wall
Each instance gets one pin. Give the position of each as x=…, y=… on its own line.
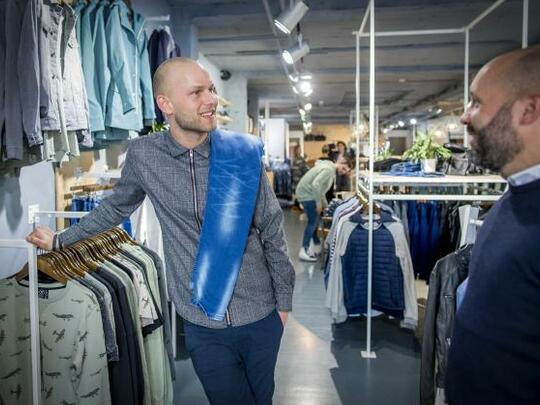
x=154, y=8
x=34, y=185
x=333, y=134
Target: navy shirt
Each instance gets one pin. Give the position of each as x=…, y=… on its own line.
x=495, y=350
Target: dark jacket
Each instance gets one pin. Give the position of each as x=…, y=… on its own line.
x=448, y=274
x=388, y=296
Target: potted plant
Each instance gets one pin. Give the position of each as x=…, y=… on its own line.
x=426, y=151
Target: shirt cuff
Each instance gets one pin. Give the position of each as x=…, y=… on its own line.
x=284, y=302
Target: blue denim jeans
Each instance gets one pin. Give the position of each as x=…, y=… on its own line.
x=310, y=207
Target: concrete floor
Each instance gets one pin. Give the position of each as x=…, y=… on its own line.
x=320, y=363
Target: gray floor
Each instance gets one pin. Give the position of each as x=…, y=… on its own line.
x=320, y=363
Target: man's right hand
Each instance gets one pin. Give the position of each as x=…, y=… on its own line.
x=41, y=237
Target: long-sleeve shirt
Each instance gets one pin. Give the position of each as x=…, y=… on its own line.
x=316, y=182
x=176, y=181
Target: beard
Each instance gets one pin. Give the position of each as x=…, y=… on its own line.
x=194, y=123
x=497, y=143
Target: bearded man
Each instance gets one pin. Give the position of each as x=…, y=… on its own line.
x=494, y=355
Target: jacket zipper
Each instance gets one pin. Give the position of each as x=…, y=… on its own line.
x=196, y=209
x=194, y=189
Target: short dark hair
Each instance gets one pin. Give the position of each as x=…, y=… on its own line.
x=351, y=163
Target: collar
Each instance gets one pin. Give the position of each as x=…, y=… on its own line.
x=176, y=149
x=135, y=25
x=525, y=176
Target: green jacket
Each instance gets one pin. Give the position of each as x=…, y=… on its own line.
x=316, y=182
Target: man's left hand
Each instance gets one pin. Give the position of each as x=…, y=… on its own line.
x=283, y=316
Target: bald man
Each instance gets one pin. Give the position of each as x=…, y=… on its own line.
x=234, y=357
x=494, y=355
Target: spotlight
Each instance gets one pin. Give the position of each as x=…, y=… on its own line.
x=401, y=124
x=302, y=112
x=308, y=107
x=296, y=53
x=288, y=19
x=305, y=86
x=413, y=121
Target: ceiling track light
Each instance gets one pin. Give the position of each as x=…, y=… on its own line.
x=289, y=18
x=295, y=54
x=305, y=86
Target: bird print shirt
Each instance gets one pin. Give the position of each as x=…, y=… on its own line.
x=74, y=357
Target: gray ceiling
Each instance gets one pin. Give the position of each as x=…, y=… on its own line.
x=236, y=35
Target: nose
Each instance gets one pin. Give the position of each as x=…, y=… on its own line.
x=465, y=119
x=211, y=98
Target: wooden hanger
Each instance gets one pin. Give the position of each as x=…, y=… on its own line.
x=46, y=267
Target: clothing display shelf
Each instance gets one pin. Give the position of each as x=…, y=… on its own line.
x=34, y=215
x=444, y=181
x=369, y=16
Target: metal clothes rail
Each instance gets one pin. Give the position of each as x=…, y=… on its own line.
x=34, y=215
x=368, y=189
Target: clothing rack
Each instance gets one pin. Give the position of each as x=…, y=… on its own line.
x=34, y=313
x=34, y=215
x=469, y=223
x=370, y=14
x=159, y=18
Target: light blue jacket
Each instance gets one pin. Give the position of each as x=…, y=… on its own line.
x=85, y=32
x=129, y=97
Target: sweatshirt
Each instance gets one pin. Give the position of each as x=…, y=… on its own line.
x=316, y=182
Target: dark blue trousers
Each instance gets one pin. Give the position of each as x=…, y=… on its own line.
x=236, y=365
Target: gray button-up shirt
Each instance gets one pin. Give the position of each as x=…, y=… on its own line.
x=176, y=181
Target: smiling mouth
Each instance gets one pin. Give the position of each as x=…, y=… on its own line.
x=208, y=114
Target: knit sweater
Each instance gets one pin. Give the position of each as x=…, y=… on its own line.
x=495, y=351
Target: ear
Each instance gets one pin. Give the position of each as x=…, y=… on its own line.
x=164, y=105
x=531, y=110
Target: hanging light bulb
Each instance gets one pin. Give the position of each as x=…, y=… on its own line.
x=289, y=18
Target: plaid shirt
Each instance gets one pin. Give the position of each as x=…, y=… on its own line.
x=176, y=181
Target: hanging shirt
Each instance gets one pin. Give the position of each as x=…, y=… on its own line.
x=74, y=358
